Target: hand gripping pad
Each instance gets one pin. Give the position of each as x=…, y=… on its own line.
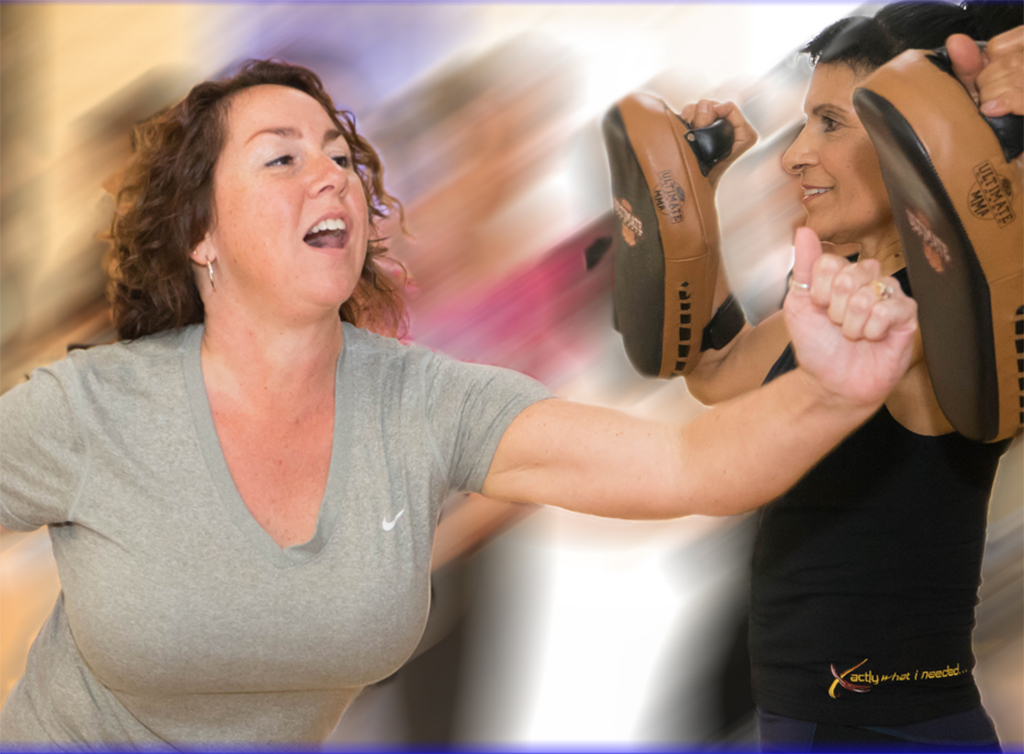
x=666, y=253
x=955, y=189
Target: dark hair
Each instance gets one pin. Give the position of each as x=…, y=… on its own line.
x=165, y=208
x=866, y=43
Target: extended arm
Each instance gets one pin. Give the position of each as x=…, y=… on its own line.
x=853, y=347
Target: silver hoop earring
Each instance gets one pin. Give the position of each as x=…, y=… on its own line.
x=209, y=268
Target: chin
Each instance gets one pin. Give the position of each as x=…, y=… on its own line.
x=821, y=230
x=828, y=233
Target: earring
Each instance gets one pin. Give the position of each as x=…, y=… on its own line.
x=209, y=268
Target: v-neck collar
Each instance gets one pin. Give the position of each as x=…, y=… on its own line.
x=220, y=475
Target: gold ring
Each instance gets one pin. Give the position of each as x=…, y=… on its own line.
x=883, y=291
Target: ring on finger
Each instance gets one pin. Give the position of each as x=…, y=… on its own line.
x=802, y=286
x=882, y=290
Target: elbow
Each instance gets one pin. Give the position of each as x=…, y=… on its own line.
x=705, y=382
x=701, y=390
x=704, y=387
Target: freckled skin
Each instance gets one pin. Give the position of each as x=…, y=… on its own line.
x=270, y=189
x=283, y=170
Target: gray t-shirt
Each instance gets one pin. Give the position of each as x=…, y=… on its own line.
x=180, y=619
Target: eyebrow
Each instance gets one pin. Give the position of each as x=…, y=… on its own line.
x=288, y=132
x=829, y=107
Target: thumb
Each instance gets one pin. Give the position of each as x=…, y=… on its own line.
x=967, y=60
x=808, y=249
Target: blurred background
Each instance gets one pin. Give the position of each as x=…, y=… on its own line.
x=565, y=629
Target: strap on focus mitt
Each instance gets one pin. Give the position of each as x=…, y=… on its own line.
x=666, y=253
x=954, y=181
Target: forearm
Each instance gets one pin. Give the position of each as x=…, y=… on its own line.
x=730, y=459
x=713, y=380
x=752, y=449
x=741, y=366
x=702, y=382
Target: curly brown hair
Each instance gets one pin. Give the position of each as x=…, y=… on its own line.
x=164, y=209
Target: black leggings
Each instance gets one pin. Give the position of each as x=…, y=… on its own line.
x=965, y=732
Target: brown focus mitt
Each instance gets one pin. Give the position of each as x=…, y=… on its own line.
x=666, y=250
x=954, y=181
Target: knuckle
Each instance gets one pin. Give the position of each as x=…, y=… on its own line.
x=830, y=264
x=875, y=329
x=843, y=283
x=861, y=302
x=879, y=316
x=869, y=267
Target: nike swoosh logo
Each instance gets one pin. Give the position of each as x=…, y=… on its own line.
x=389, y=525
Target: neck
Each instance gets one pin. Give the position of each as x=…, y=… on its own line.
x=259, y=361
x=886, y=248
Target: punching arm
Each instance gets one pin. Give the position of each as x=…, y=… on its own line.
x=853, y=344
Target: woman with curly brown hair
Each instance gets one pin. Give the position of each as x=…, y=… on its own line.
x=242, y=494
x=165, y=207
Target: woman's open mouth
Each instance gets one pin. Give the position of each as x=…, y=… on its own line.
x=327, y=234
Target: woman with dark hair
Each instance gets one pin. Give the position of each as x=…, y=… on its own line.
x=242, y=494
x=866, y=573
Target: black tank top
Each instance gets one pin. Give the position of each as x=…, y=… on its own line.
x=866, y=575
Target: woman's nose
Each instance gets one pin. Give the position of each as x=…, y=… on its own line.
x=799, y=155
x=329, y=176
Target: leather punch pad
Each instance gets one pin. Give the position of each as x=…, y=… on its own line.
x=954, y=182
x=666, y=250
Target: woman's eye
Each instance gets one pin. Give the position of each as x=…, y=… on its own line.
x=283, y=160
x=829, y=124
x=342, y=160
